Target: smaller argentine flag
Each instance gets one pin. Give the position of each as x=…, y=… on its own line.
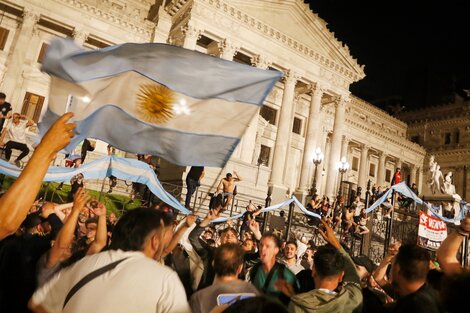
x=184, y=106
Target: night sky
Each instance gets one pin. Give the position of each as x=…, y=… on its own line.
x=415, y=52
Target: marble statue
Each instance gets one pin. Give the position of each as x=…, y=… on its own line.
x=438, y=183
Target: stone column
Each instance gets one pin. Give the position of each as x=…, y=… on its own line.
x=80, y=36
x=249, y=138
x=413, y=172
x=420, y=180
x=281, y=146
x=227, y=49
x=335, y=154
x=163, y=26
x=322, y=142
x=362, y=179
x=191, y=35
x=344, y=147
x=15, y=61
x=311, y=139
x=381, y=169
x=320, y=176
x=398, y=164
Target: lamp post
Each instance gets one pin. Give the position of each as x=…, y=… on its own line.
x=317, y=159
x=343, y=166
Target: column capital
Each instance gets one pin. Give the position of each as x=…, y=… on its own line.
x=382, y=154
x=80, y=35
x=228, y=48
x=317, y=90
x=364, y=147
x=30, y=16
x=260, y=61
x=291, y=76
x=191, y=31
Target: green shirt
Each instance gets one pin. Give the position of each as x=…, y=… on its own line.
x=261, y=276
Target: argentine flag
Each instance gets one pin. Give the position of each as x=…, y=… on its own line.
x=184, y=106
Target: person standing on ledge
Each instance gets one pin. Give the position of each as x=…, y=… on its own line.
x=227, y=185
x=193, y=180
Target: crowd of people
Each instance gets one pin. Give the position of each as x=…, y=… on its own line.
x=77, y=257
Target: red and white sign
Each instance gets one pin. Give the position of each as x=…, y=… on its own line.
x=431, y=232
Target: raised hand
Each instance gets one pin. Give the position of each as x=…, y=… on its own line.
x=329, y=234
x=212, y=215
x=191, y=219
x=59, y=135
x=80, y=199
x=100, y=210
x=254, y=227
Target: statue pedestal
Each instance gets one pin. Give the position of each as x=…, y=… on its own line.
x=450, y=207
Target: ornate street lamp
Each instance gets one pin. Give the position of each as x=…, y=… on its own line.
x=343, y=166
x=317, y=159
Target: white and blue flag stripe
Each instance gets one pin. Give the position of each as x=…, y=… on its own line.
x=185, y=106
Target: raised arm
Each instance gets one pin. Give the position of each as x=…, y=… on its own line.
x=29, y=122
x=380, y=273
x=65, y=237
x=13, y=208
x=188, y=222
x=447, y=252
x=238, y=177
x=101, y=238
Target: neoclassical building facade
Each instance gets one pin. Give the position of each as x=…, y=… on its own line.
x=310, y=107
x=444, y=131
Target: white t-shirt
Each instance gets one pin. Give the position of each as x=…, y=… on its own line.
x=138, y=284
x=17, y=132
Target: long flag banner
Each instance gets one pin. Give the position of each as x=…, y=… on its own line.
x=122, y=168
x=133, y=170
x=406, y=191
x=184, y=106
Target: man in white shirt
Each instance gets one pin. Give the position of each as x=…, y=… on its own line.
x=17, y=137
x=136, y=282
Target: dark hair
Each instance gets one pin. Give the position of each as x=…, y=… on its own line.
x=91, y=220
x=227, y=259
x=328, y=261
x=413, y=261
x=291, y=242
x=2, y=95
x=229, y=229
x=32, y=220
x=277, y=241
x=132, y=229
x=228, y=175
x=260, y=304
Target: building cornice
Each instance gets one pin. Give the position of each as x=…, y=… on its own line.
x=260, y=27
x=362, y=104
x=381, y=134
x=145, y=28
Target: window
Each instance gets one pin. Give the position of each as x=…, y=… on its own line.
x=264, y=155
x=447, y=139
x=269, y=114
x=415, y=139
x=457, y=136
x=3, y=37
x=355, y=164
x=388, y=176
x=42, y=53
x=372, y=170
x=32, y=106
x=297, y=126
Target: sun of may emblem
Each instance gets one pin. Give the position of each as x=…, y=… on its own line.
x=155, y=103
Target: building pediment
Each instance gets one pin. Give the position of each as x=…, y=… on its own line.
x=295, y=19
